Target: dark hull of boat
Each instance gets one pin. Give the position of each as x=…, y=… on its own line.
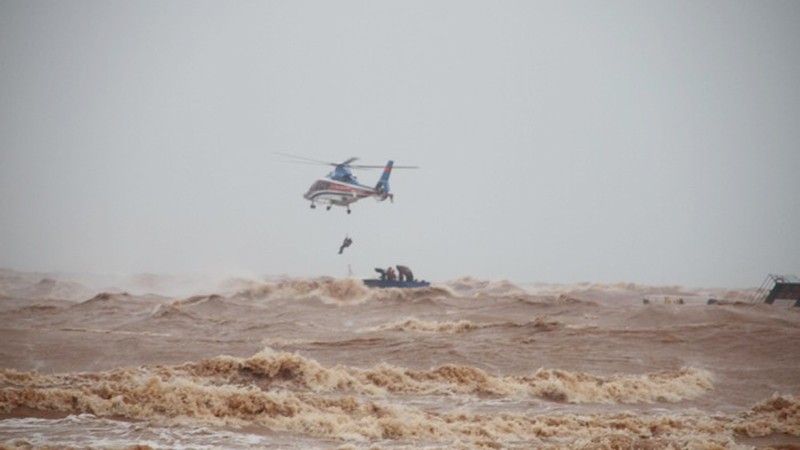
x=395, y=284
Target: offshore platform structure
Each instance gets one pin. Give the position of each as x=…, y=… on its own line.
x=779, y=287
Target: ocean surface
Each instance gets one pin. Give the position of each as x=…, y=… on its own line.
x=167, y=362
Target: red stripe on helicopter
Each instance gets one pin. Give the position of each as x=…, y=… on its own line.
x=345, y=188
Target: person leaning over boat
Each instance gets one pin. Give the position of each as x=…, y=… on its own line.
x=404, y=273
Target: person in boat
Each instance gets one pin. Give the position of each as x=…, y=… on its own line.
x=345, y=244
x=382, y=272
x=390, y=275
x=404, y=273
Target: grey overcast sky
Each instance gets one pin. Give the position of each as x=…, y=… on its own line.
x=655, y=142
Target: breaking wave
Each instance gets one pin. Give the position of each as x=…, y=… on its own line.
x=413, y=324
x=328, y=290
x=542, y=323
x=285, y=391
x=269, y=369
x=334, y=291
x=468, y=286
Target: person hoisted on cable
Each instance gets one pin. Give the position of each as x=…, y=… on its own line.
x=345, y=244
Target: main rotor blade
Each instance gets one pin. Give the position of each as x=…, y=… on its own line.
x=307, y=160
x=348, y=161
x=360, y=166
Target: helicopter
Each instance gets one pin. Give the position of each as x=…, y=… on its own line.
x=340, y=187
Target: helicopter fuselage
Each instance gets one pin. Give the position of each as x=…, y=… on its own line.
x=340, y=193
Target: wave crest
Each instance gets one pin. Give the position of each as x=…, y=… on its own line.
x=414, y=324
x=269, y=367
x=328, y=290
x=288, y=392
x=349, y=291
x=538, y=323
x=481, y=288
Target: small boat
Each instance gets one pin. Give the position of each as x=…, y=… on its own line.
x=374, y=283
